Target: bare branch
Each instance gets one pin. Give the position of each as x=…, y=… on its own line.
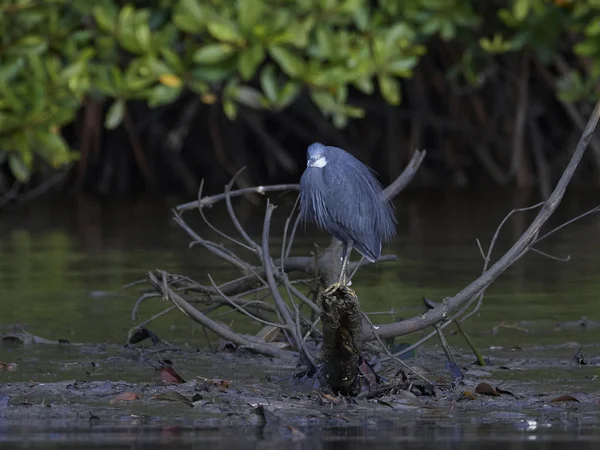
x=215, y=327
x=253, y=246
x=208, y=202
x=215, y=229
x=279, y=302
x=487, y=258
x=217, y=250
x=547, y=255
x=406, y=176
x=242, y=309
x=451, y=304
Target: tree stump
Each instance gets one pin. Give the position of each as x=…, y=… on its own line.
x=340, y=353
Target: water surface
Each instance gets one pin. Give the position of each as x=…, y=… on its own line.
x=64, y=261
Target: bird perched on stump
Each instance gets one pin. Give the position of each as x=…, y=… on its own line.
x=341, y=195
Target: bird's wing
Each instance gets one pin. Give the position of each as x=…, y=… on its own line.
x=351, y=199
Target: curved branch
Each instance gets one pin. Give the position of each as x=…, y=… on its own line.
x=406, y=176
x=448, y=305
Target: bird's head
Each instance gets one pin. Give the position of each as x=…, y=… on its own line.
x=316, y=155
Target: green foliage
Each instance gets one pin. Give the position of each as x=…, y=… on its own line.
x=257, y=53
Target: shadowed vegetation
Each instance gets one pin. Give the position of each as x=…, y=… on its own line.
x=162, y=94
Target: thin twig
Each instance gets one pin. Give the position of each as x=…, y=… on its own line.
x=252, y=245
x=282, y=308
x=243, y=309
x=215, y=327
x=487, y=258
x=385, y=350
x=555, y=258
x=212, y=227
x=208, y=202
x=217, y=250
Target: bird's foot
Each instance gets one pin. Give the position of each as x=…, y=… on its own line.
x=335, y=286
x=331, y=289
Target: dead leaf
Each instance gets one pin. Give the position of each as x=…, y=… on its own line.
x=172, y=396
x=469, y=395
x=168, y=375
x=8, y=367
x=223, y=385
x=486, y=389
x=579, y=397
x=296, y=433
x=269, y=333
x=124, y=397
x=326, y=398
x=369, y=379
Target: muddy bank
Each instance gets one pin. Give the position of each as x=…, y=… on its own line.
x=107, y=386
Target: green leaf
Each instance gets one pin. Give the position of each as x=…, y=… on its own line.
x=142, y=33
x=361, y=17
x=291, y=64
x=18, y=168
x=115, y=114
x=187, y=23
x=105, y=14
x=390, y=89
x=29, y=44
x=249, y=60
x=173, y=59
x=162, y=95
x=213, y=53
x=324, y=100
x=53, y=148
x=340, y=120
x=249, y=13
x=211, y=74
x=268, y=82
x=325, y=42
x=288, y=94
x=521, y=8
x=11, y=68
x=589, y=47
x=225, y=31
x=193, y=10
x=402, y=67
x=230, y=109
x=364, y=84
x=249, y=96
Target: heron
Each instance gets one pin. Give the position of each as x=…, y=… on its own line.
x=342, y=196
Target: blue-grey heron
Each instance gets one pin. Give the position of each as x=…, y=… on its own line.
x=341, y=195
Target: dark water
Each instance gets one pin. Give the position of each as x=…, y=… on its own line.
x=63, y=263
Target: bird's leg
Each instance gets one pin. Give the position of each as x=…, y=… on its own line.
x=342, y=280
x=348, y=250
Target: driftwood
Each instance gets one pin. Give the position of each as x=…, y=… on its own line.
x=285, y=294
